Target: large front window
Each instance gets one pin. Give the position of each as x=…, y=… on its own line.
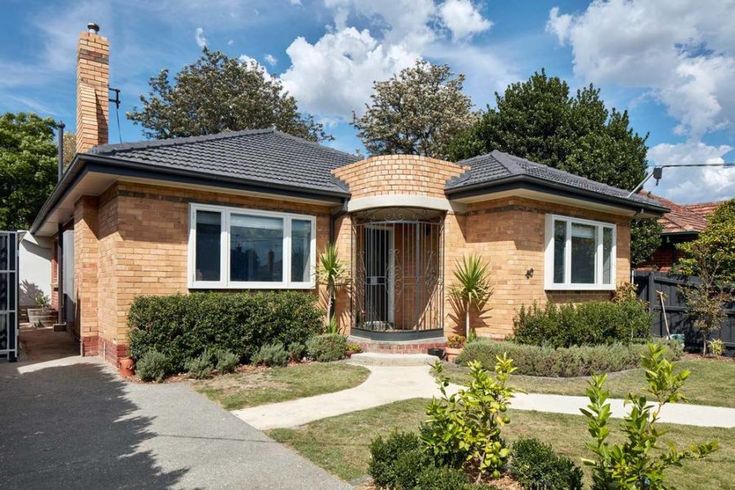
x=250, y=249
x=580, y=254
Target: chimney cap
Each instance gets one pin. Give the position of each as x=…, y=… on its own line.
x=93, y=28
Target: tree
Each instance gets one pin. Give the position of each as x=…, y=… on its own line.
x=332, y=273
x=540, y=120
x=218, y=93
x=27, y=167
x=70, y=148
x=417, y=112
x=647, y=233
x=472, y=287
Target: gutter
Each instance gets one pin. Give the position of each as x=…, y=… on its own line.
x=85, y=163
x=534, y=183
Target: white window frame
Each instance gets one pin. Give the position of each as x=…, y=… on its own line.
x=567, y=285
x=224, y=281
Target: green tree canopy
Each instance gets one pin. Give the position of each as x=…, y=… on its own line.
x=27, y=167
x=541, y=120
x=418, y=112
x=218, y=93
x=714, y=248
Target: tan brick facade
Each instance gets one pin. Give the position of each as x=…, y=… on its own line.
x=93, y=76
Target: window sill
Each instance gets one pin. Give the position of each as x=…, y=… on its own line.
x=580, y=287
x=245, y=287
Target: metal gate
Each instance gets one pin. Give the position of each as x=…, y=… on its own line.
x=9, y=295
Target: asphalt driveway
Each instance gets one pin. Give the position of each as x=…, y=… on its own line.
x=73, y=423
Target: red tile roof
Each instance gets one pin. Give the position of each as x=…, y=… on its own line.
x=684, y=218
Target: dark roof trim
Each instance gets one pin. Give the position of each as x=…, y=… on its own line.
x=542, y=185
x=84, y=163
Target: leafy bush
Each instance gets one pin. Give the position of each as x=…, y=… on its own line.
x=226, y=361
x=592, y=323
x=455, y=341
x=153, y=366
x=533, y=360
x=442, y=478
x=271, y=355
x=200, y=367
x=536, y=466
x=296, y=351
x=353, y=348
x=463, y=430
x=385, y=454
x=183, y=326
x=639, y=462
x=327, y=347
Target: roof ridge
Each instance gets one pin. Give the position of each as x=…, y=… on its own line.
x=509, y=164
x=177, y=141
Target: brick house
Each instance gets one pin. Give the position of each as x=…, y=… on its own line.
x=252, y=210
x=682, y=223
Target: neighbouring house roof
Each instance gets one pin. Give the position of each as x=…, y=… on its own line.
x=683, y=218
x=264, y=155
x=497, y=168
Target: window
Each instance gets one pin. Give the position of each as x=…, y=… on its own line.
x=250, y=249
x=580, y=254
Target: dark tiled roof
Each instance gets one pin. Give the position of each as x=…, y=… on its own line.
x=496, y=166
x=262, y=155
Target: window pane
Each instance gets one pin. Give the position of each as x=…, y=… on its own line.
x=607, y=258
x=256, y=248
x=583, y=253
x=560, y=242
x=300, y=250
x=208, y=231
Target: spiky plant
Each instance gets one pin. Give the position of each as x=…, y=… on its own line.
x=472, y=286
x=332, y=273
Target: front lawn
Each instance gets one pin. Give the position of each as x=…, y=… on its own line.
x=258, y=386
x=706, y=384
x=340, y=444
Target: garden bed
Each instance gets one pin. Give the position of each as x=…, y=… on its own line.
x=257, y=385
x=341, y=444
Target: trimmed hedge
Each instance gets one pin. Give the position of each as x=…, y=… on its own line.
x=536, y=466
x=533, y=360
x=591, y=323
x=182, y=327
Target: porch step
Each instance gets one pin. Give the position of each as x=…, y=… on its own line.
x=382, y=359
x=418, y=346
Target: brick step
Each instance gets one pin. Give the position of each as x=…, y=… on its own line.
x=399, y=346
x=383, y=359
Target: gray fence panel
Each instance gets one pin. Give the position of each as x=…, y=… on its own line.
x=9, y=295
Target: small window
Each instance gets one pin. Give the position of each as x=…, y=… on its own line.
x=250, y=249
x=580, y=254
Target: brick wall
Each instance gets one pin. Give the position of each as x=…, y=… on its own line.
x=93, y=75
x=398, y=174
x=86, y=257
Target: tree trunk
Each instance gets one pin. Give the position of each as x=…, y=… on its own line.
x=467, y=321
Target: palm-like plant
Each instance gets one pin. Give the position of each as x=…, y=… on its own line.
x=332, y=273
x=472, y=286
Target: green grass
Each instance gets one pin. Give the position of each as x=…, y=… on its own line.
x=264, y=385
x=707, y=384
x=340, y=444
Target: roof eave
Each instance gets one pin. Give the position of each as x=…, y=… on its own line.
x=520, y=181
x=87, y=162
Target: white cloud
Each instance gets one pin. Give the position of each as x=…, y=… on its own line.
x=270, y=59
x=199, y=38
x=461, y=17
x=334, y=76
x=230, y=42
x=693, y=184
x=681, y=51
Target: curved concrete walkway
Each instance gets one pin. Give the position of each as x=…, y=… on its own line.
x=387, y=384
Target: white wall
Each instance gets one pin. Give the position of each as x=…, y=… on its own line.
x=34, y=268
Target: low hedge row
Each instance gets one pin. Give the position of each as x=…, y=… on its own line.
x=563, y=362
x=592, y=323
x=182, y=327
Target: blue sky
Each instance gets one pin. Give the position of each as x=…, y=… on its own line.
x=670, y=64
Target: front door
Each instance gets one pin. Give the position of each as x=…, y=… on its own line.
x=378, y=277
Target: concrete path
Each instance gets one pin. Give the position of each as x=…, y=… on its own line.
x=390, y=384
x=73, y=423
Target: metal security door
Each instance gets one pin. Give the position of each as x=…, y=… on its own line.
x=9, y=295
x=378, y=276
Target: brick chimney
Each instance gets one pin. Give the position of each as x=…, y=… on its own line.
x=93, y=76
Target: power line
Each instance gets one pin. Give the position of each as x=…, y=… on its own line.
x=658, y=171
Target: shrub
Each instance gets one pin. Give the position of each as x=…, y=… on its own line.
x=536, y=466
x=327, y=347
x=463, y=430
x=533, y=360
x=455, y=341
x=226, y=361
x=353, y=348
x=438, y=478
x=638, y=462
x=200, y=367
x=385, y=454
x=153, y=366
x=183, y=326
x=271, y=355
x=296, y=351
x=591, y=323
